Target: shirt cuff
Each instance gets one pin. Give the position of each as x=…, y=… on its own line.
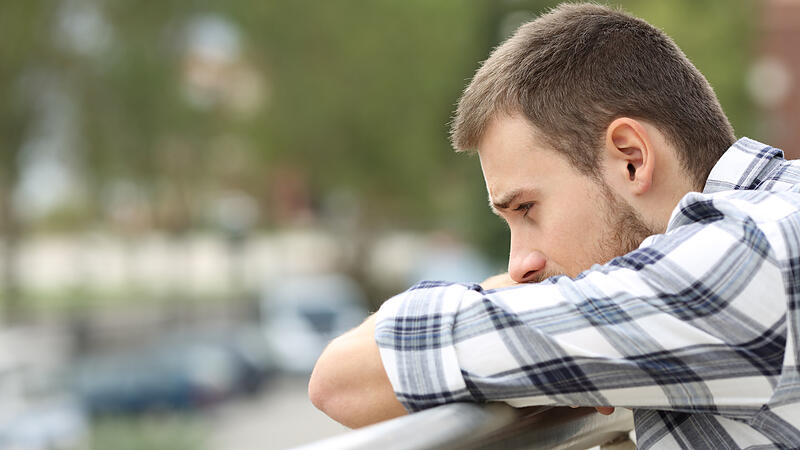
x=414, y=332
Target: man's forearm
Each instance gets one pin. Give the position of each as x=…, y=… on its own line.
x=349, y=383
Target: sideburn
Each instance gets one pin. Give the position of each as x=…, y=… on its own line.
x=626, y=228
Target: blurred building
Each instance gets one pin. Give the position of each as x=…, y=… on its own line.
x=775, y=74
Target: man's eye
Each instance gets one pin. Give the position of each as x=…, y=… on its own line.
x=524, y=207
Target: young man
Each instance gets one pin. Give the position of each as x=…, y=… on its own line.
x=654, y=264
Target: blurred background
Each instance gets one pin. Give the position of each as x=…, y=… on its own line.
x=196, y=196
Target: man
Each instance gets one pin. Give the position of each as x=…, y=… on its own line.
x=654, y=263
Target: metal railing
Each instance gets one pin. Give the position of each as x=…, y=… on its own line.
x=490, y=426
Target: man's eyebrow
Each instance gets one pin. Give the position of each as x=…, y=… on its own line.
x=505, y=200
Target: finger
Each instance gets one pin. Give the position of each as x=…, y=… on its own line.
x=605, y=410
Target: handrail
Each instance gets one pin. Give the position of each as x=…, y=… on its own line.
x=493, y=425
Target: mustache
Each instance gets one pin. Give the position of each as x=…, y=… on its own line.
x=545, y=274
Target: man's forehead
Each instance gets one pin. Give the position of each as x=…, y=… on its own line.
x=510, y=148
x=511, y=126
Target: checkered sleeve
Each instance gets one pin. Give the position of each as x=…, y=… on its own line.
x=673, y=325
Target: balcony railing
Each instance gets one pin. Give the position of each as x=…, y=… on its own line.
x=490, y=426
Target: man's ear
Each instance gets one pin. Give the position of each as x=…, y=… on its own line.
x=630, y=159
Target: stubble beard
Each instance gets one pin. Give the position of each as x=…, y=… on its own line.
x=625, y=229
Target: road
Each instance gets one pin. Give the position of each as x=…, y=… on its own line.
x=279, y=417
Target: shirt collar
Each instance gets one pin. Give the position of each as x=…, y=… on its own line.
x=745, y=165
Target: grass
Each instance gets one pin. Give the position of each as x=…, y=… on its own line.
x=151, y=432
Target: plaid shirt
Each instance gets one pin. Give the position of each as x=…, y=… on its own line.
x=696, y=330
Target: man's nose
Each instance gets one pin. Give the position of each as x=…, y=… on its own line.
x=523, y=266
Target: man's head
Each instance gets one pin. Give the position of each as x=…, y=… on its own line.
x=600, y=99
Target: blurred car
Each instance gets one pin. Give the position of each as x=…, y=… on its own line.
x=252, y=360
x=301, y=314
x=36, y=413
x=186, y=371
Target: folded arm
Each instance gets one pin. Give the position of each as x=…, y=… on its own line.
x=349, y=383
x=691, y=322
x=694, y=321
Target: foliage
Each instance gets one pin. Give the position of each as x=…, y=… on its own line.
x=157, y=432
x=356, y=99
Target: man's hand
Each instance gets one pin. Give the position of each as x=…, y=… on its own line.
x=498, y=281
x=605, y=410
x=349, y=383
